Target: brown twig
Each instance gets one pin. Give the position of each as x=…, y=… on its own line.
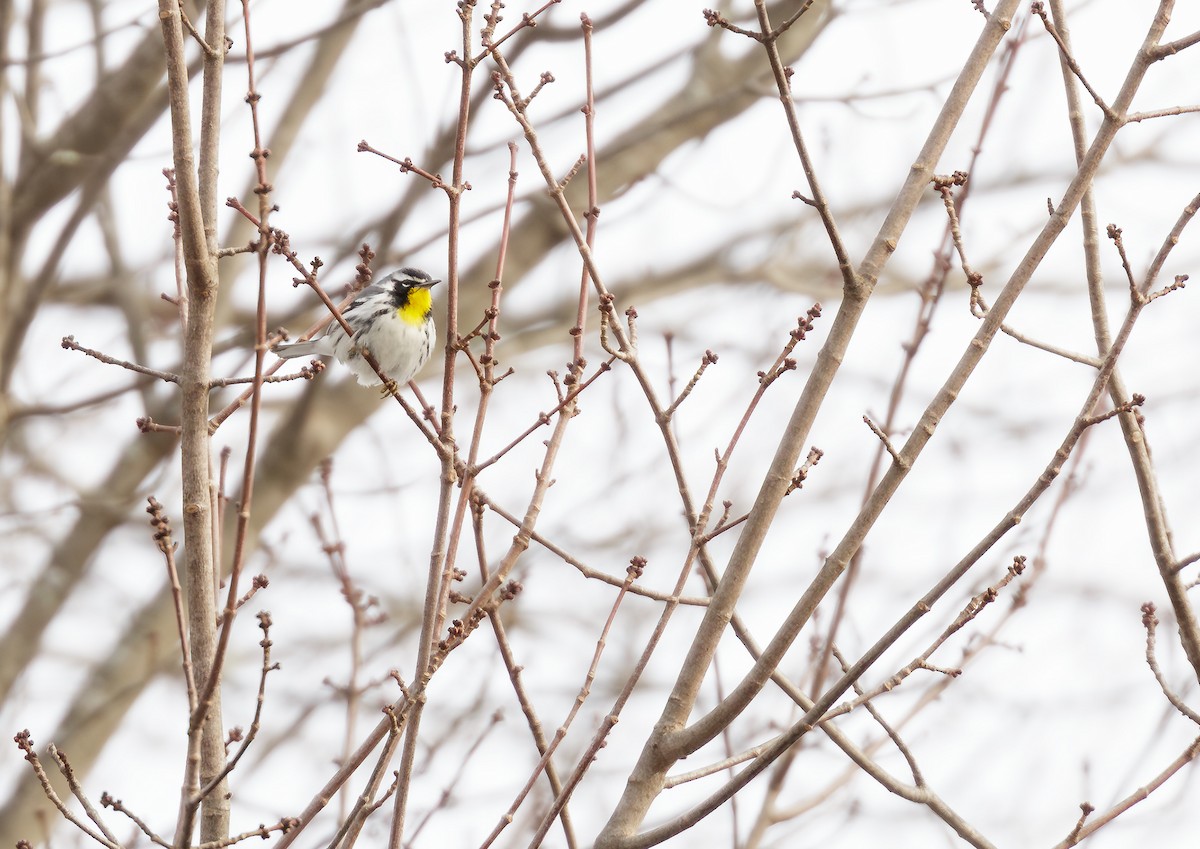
x=648, y=773
x=335, y=549
x=181, y=296
x=918, y=779
x=264, y=623
x=583, y=568
x=196, y=183
x=884, y=441
x=1039, y=9
x=705, y=728
x=514, y=670
x=263, y=832
x=1082, y=832
x=162, y=538
x=407, y=166
x=633, y=805
x=782, y=76
x=64, y=767
x=25, y=743
x=707, y=360
x=307, y=372
x=69, y=344
x=636, y=567
x=1150, y=623
x=970, y=611
x=545, y=418
x=119, y=807
x=1138, y=117
x=528, y=20
x=930, y=297
x=441, y=558
x=593, y=208
x=214, y=783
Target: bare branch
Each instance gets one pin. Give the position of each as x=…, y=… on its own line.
x=1150, y=623
x=25, y=743
x=69, y=343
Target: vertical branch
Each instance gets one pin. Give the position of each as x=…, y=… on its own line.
x=206, y=752
x=770, y=42
x=216, y=43
x=1154, y=511
x=262, y=247
x=162, y=537
x=335, y=550
x=441, y=561
x=558, y=807
x=593, y=210
x=487, y=385
x=214, y=787
x=181, y=298
x=487, y=361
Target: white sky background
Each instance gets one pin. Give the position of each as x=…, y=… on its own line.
x=1063, y=711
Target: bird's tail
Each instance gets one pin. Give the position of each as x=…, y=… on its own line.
x=311, y=348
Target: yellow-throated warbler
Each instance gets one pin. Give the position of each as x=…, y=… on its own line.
x=393, y=319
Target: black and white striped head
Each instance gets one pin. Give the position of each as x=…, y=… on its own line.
x=408, y=291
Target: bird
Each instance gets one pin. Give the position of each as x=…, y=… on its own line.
x=393, y=319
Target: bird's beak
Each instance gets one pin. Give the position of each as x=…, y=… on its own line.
x=429, y=283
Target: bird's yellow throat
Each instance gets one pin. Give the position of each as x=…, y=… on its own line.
x=417, y=308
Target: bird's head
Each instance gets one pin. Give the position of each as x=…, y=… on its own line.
x=410, y=293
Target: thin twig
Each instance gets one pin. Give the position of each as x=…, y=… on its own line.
x=707, y=360
x=1038, y=9
x=545, y=418
x=883, y=439
x=264, y=623
x=514, y=670
x=1136, y=117
x=583, y=568
x=119, y=807
x=448, y=790
x=1150, y=623
x=64, y=767
x=69, y=343
x=636, y=567
x=25, y=743
x=1140, y=794
x=162, y=538
x=918, y=779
